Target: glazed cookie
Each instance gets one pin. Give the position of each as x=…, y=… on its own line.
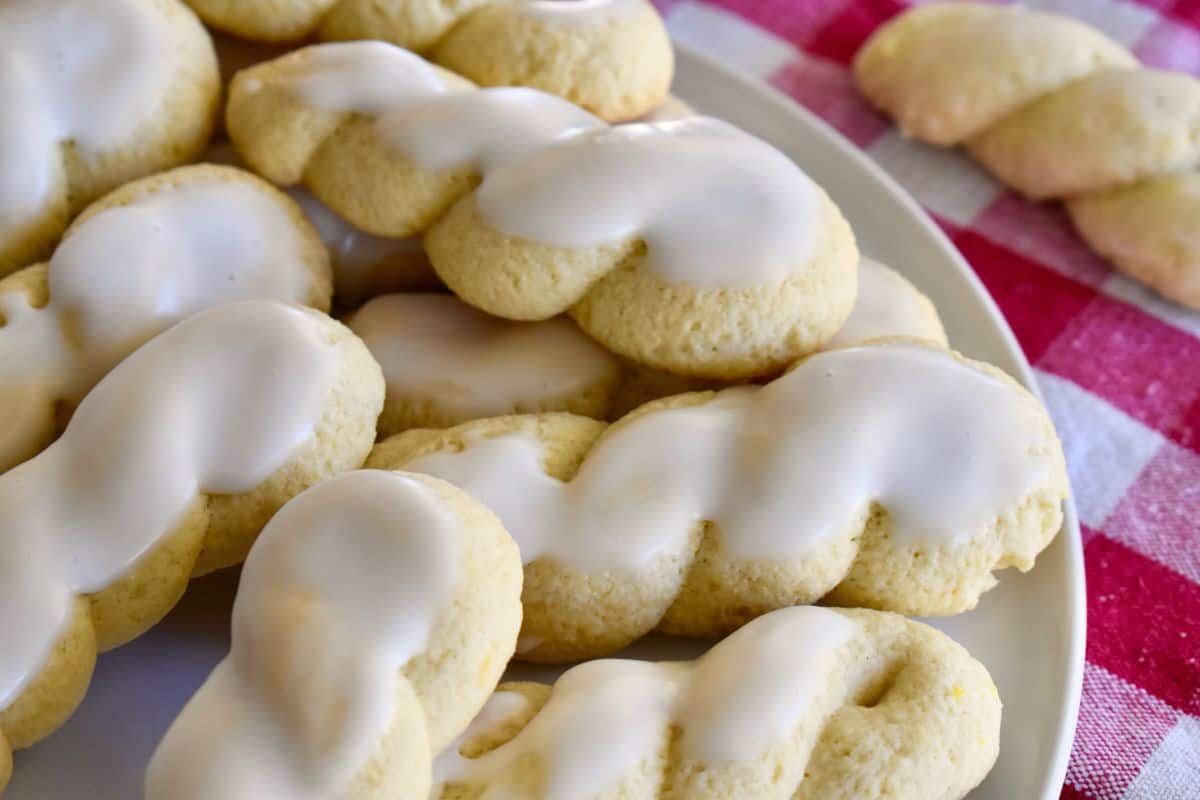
x=169, y=468
x=364, y=265
x=801, y=704
x=635, y=230
x=134, y=263
x=613, y=57
x=446, y=363
x=374, y=616
x=81, y=120
x=895, y=475
x=688, y=246
x=1075, y=117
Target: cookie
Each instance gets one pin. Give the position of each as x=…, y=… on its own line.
x=671, y=108
x=803, y=703
x=613, y=57
x=134, y=263
x=688, y=246
x=169, y=468
x=364, y=265
x=946, y=72
x=1107, y=130
x=446, y=363
x=1056, y=110
x=140, y=98
x=374, y=616
x=896, y=476
x=1148, y=229
x=637, y=232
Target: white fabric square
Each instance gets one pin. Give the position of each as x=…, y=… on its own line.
x=944, y=181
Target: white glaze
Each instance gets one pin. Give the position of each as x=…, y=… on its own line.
x=941, y=446
x=88, y=71
x=716, y=207
x=748, y=694
x=887, y=305
x=342, y=589
x=214, y=405
x=129, y=272
x=436, y=349
x=579, y=12
x=426, y=114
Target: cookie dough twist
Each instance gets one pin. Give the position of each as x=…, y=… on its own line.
x=374, y=616
x=689, y=246
x=613, y=57
x=169, y=468
x=1055, y=109
x=134, y=263
x=97, y=93
x=895, y=475
x=445, y=363
x=800, y=704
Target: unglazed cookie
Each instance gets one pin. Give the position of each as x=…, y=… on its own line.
x=947, y=71
x=896, y=476
x=134, y=263
x=446, y=363
x=801, y=704
x=613, y=57
x=364, y=265
x=136, y=92
x=1149, y=229
x=169, y=468
x=374, y=616
x=1056, y=110
x=688, y=246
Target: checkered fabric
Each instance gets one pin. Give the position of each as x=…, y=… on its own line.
x=1119, y=367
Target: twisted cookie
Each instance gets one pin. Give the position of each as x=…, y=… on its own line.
x=133, y=264
x=446, y=363
x=1056, y=110
x=374, y=616
x=801, y=704
x=689, y=246
x=96, y=93
x=896, y=476
x=613, y=57
x=169, y=468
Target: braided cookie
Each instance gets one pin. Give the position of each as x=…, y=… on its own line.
x=689, y=246
x=169, y=468
x=375, y=614
x=613, y=57
x=96, y=93
x=446, y=363
x=896, y=476
x=364, y=265
x=134, y=263
x=801, y=704
x=1056, y=110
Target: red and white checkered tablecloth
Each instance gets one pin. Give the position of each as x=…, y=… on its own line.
x=1119, y=367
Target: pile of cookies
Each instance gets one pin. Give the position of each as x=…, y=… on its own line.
x=663, y=393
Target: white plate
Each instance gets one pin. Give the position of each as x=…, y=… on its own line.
x=1029, y=631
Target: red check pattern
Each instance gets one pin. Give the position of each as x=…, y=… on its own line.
x=1119, y=366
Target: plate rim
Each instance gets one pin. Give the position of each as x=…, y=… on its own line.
x=764, y=92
